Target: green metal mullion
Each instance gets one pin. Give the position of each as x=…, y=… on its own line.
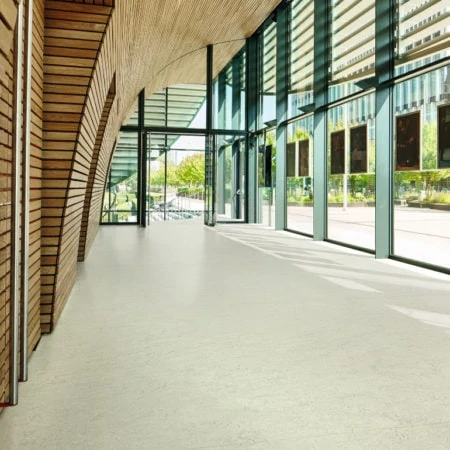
x=142, y=161
x=321, y=34
x=282, y=86
x=236, y=159
x=384, y=61
x=251, y=114
x=236, y=92
x=221, y=152
x=210, y=160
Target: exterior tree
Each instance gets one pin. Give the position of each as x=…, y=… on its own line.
x=191, y=171
x=429, y=146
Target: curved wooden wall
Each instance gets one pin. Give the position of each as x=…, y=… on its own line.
x=73, y=36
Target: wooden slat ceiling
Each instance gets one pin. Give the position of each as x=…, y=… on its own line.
x=167, y=38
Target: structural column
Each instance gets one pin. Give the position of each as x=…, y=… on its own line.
x=236, y=212
x=250, y=126
x=282, y=84
x=384, y=60
x=142, y=162
x=210, y=151
x=320, y=119
x=221, y=149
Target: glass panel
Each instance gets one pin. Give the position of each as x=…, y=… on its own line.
x=352, y=46
x=423, y=33
x=229, y=86
x=229, y=97
x=230, y=178
x=120, y=199
x=210, y=215
x=186, y=106
x=176, y=177
x=302, y=56
x=266, y=177
x=180, y=106
x=351, y=172
x=299, y=176
x=155, y=110
x=267, y=74
x=422, y=168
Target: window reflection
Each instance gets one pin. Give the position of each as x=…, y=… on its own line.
x=422, y=168
x=351, y=173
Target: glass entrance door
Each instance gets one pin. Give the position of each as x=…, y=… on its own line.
x=230, y=183
x=210, y=181
x=175, y=186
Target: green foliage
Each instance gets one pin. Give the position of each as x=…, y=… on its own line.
x=429, y=146
x=191, y=170
x=299, y=135
x=430, y=178
x=439, y=197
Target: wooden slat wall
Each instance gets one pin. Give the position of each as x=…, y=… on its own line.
x=34, y=283
x=73, y=35
x=8, y=14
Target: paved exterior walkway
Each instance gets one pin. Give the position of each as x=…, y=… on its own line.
x=184, y=337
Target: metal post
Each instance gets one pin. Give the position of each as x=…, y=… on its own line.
x=142, y=158
x=235, y=152
x=166, y=123
x=251, y=102
x=210, y=160
x=149, y=173
x=282, y=84
x=15, y=266
x=384, y=60
x=221, y=150
x=165, y=180
x=23, y=375
x=320, y=119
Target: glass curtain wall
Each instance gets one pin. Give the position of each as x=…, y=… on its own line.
x=301, y=52
x=351, y=127
x=180, y=106
x=229, y=114
x=352, y=47
x=177, y=107
x=406, y=62
x=299, y=175
x=266, y=120
x=421, y=125
x=300, y=143
x=176, y=177
x=351, y=172
x=266, y=177
x=230, y=178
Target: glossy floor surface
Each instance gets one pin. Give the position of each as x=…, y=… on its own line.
x=184, y=337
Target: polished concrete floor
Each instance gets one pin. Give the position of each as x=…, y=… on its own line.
x=184, y=337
